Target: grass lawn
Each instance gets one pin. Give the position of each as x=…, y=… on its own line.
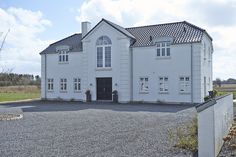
x=14, y=93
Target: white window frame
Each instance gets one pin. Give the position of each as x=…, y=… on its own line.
x=143, y=84
x=104, y=43
x=162, y=49
x=77, y=84
x=164, y=84
x=50, y=86
x=63, y=56
x=184, y=85
x=63, y=84
x=204, y=51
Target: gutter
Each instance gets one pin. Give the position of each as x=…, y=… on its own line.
x=191, y=72
x=45, y=82
x=131, y=71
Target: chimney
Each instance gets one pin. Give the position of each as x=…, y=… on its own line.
x=85, y=26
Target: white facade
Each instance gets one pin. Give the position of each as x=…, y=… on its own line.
x=128, y=66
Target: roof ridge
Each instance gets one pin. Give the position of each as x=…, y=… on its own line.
x=156, y=25
x=65, y=38
x=188, y=23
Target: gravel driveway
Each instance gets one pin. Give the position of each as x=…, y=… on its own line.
x=102, y=129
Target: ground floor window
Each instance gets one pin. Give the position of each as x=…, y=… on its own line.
x=77, y=84
x=184, y=84
x=50, y=84
x=63, y=84
x=163, y=84
x=143, y=84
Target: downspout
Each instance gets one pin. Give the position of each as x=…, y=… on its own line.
x=191, y=73
x=45, y=78
x=131, y=71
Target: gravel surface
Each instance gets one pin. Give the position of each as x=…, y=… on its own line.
x=77, y=129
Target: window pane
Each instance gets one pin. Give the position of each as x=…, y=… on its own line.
x=187, y=78
x=163, y=44
x=163, y=51
x=107, y=56
x=66, y=58
x=168, y=44
x=181, y=78
x=99, y=57
x=63, y=58
x=158, y=52
x=59, y=58
x=168, y=52
x=158, y=45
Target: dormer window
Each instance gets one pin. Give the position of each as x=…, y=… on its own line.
x=163, y=49
x=103, y=46
x=63, y=56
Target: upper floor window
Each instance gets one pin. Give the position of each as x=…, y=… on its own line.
x=143, y=84
x=184, y=84
x=77, y=84
x=204, y=50
x=63, y=56
x=163, y=49
x=103, y=52
x=163, y=84
x=63, y=84
x=50, y=84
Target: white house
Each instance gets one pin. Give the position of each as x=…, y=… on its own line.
x=169, y=62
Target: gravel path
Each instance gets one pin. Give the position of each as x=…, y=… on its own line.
x=76, y=129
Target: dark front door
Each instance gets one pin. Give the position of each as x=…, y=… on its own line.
x=104, y=88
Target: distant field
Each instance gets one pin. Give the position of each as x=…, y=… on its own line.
x=226, y=88
x=12, y=93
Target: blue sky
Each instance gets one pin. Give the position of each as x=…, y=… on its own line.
x=34, y=24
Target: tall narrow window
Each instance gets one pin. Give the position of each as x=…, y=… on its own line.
x=99, y=57
x=163, y=49
x=143, y=84
x=50, y=84
x=103, y=52
x=163, y=84
x=184, y=84
x=63, y=84
x=77, y=84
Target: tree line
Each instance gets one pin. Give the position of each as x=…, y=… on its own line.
x=13, y=79
x=218, y=81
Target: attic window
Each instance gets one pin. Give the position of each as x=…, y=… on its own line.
x=163, y=49
x=63, y=56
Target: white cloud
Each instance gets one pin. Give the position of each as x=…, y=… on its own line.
x=216, y=16
x=22, y=47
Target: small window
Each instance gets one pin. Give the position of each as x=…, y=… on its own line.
x=50, y=84
x=204, y=50
x=63, y=84
x=163, y=49
x=163, y=84
x=184, y=84
x=77, y=84
x=143, y=84
x=63, y=56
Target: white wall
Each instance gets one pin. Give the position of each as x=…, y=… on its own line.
x=120, y=63
x=146, y=64
x=214, y=123
x=57, y=70
x=206, y=66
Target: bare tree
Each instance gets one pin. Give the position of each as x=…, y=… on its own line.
x=4, y=39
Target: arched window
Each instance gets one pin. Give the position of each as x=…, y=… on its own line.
x=103, y=40
x=103, y=45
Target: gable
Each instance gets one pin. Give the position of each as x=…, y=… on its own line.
x=112, y=25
